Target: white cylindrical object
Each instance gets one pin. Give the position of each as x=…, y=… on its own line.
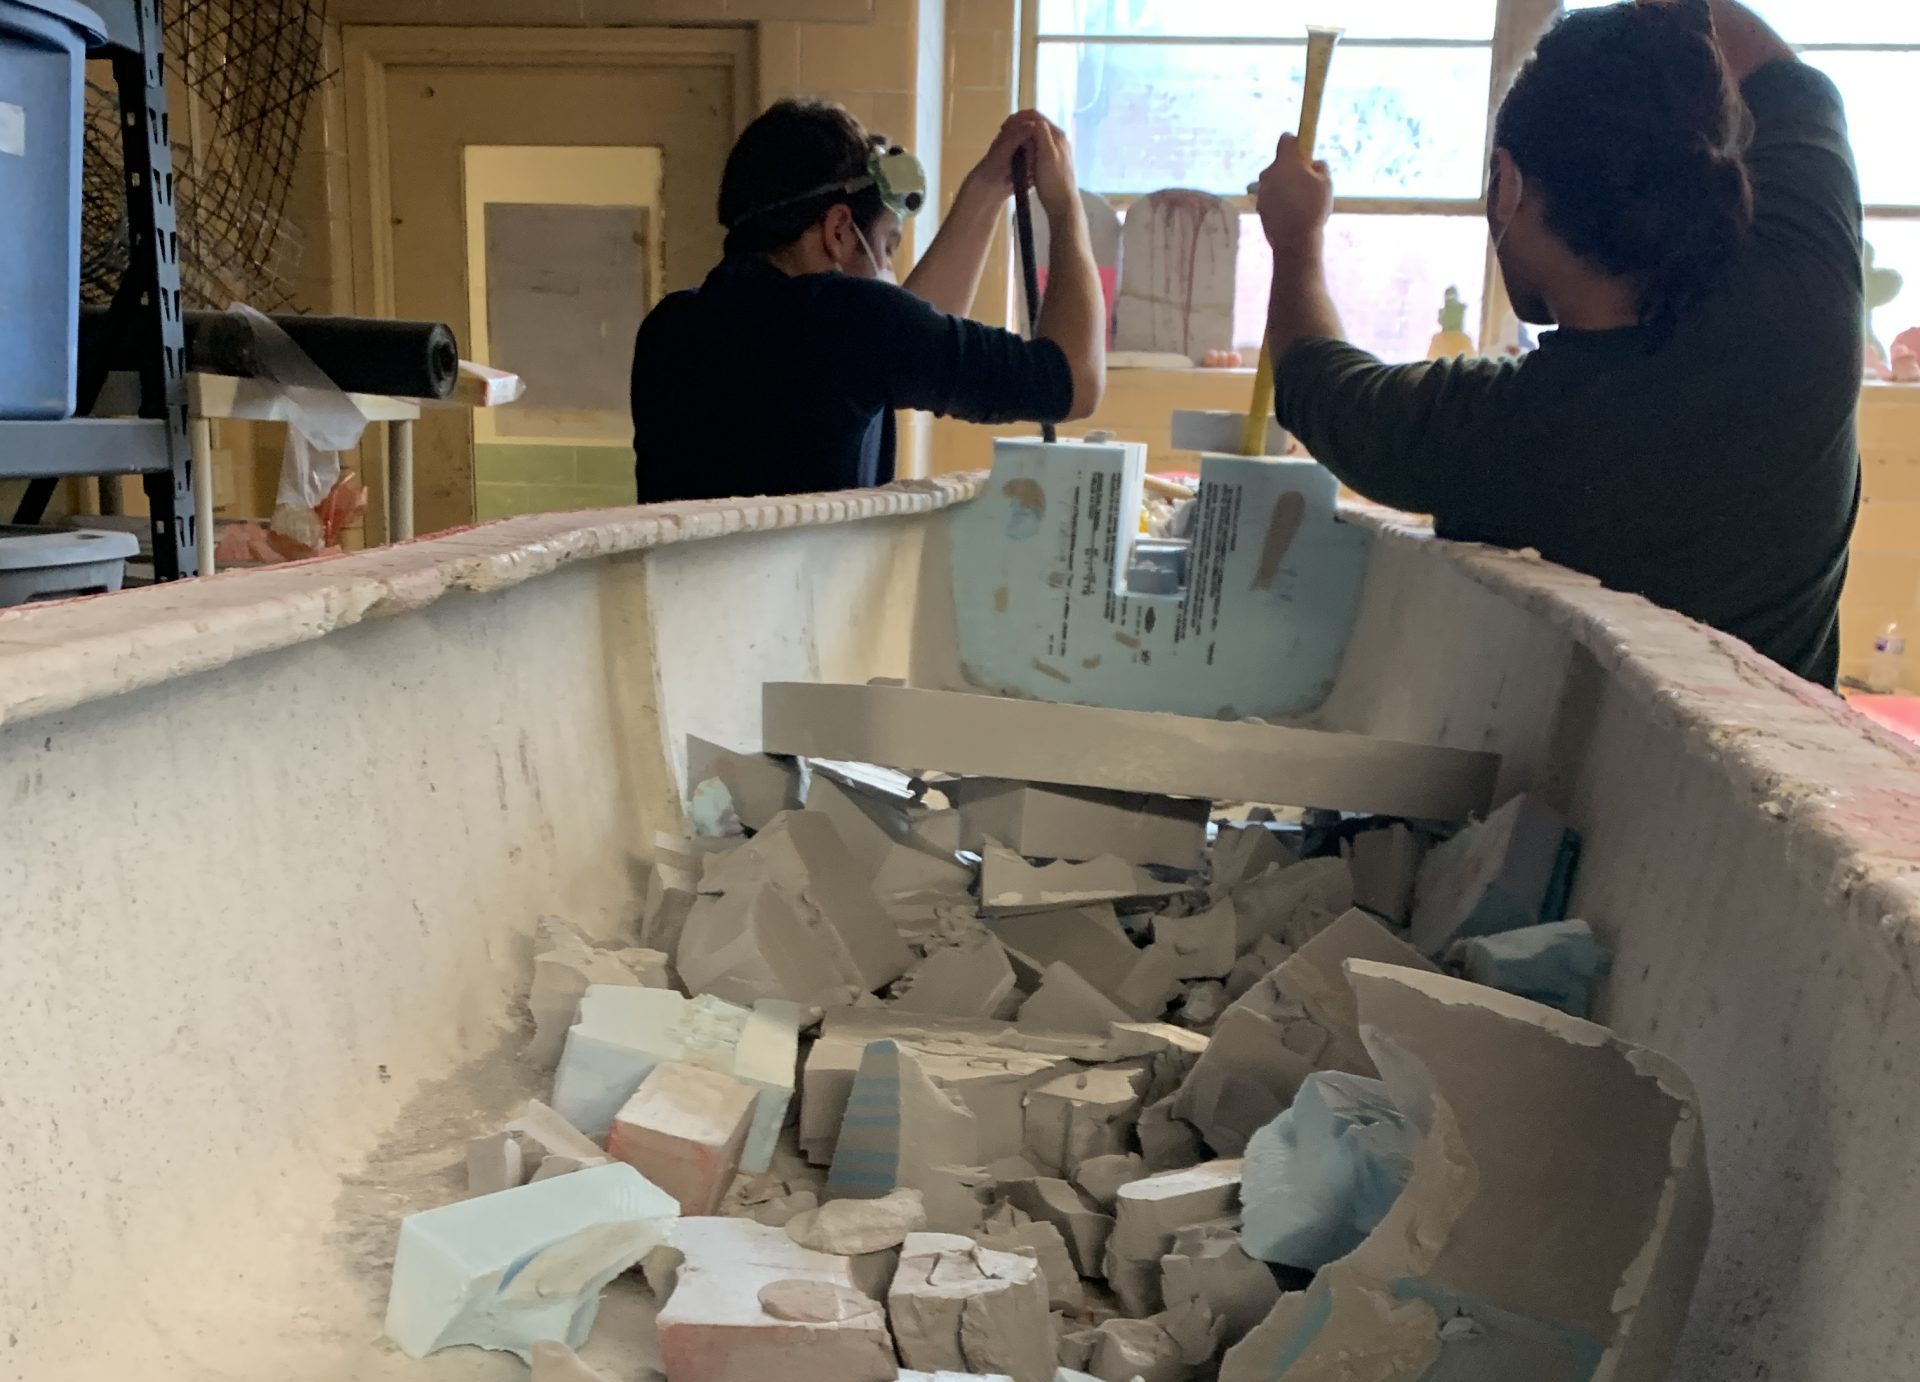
x=1885, y=670
x=399, y=481
x=200, y=444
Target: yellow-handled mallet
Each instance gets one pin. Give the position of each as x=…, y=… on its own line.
x=1320, y=42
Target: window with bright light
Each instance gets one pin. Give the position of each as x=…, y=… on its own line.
x=1871, y=49
x=1193, y=93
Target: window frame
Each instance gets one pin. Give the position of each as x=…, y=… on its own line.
x=1518, y=25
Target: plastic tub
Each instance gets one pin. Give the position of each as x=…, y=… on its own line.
x=43, y=46
x=43, y=564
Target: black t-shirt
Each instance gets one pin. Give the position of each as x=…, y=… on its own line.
x=761, y=383
x=1717, y=472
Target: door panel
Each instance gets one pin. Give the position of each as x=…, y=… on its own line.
x=430, y=94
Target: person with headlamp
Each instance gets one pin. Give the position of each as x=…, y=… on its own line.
x=782, y=372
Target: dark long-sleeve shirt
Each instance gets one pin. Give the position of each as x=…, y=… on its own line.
x=1716, y=472
x=761, y=383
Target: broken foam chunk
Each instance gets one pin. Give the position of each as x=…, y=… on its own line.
x=1249, y=1072
x=885, y=842
x=494, y=1163
x=1207, y=1264
x=1204, y=945
x=956, y=1305
x=683, y=1129
x=1244, y=852
x=901, y=1132
x=1500, y=1260
x=787, y=915
x=1088, y=940
x=1203, y=1003
x=503, y=1271
x=1049, y=1247
x=1101, y=1177
x=1167, y=1141
x=853, y=1228
x=758, y=787
x=1079, y=823
x=1065, y=1002
x=1294, y=904
x=565, y=963
x=541, y=1133
x=1558, y=964
x=1083, y=1115
x=1010, y=886
x=1147, y=1216
x=1137, y=1351
x=1384, y=864
x=1321, y=1175
x=1315, y=977
x=972, y=979
x=1150, y=1212
x=1052, y=1201
x=987, y=1066
x=672, y=887
x=624, y=1032
x=1510, y=870
x=716, y=1325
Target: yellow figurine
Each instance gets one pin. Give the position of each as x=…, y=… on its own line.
x=1452, y=338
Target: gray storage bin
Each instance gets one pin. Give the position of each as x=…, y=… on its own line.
x=43, y=564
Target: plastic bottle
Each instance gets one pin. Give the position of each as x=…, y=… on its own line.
x=1884, y=671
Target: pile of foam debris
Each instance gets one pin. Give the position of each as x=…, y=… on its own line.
x=926, y=1074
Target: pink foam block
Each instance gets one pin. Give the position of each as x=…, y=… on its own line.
x=683, y=1130
x=717, y=1325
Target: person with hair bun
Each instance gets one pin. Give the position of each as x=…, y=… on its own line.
x=1674, y=191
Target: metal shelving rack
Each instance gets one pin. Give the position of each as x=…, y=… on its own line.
x=155, y=444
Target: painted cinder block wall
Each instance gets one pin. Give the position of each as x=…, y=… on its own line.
x=1884, y=584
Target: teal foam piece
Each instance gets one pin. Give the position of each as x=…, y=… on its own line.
x=1553, y=907
x=711, y=810
x=1511, y=870
x=866, y=1159
x=1042, y=609
x=1322, y=1175
x=506, y=1270
x=1559, y=964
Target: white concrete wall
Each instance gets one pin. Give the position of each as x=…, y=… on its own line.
x=266, y=921
x=1752, y=849
x=269, y=860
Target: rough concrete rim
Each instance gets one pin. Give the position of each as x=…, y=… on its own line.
x=1848, y=789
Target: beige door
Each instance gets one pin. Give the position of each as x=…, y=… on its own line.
x=470, y=210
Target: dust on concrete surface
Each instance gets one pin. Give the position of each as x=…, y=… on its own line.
x=421, y=1164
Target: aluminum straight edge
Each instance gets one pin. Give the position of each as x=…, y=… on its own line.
x=976, y=734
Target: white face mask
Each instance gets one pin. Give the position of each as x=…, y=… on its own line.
x=884, y=275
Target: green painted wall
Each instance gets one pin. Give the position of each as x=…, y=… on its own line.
x=512, y=479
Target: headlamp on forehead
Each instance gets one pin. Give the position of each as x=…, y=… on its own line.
x=894, y=174
x=900, y=180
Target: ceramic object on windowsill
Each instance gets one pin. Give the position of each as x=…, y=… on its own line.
x=1883, y=285
x=1905, y=368
x=1452, y=340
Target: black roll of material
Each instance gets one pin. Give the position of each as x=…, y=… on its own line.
x=360, y=354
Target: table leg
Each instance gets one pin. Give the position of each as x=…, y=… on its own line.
x=399, y=481
x=200, y=440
